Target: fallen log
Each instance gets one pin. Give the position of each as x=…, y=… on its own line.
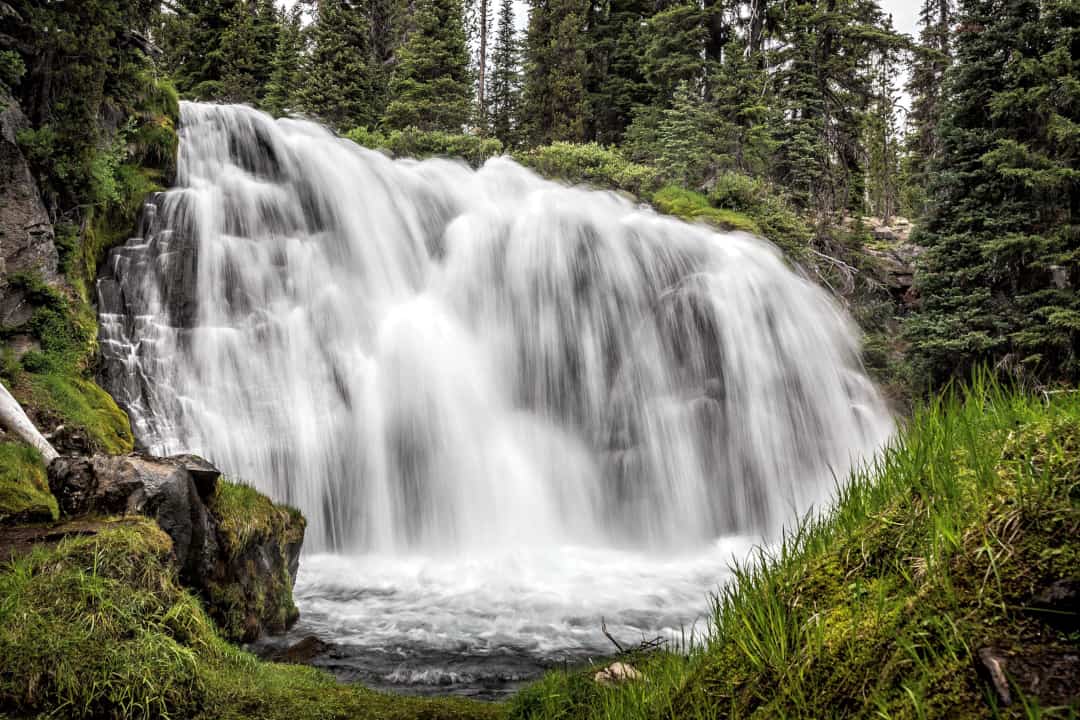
x=14, y=420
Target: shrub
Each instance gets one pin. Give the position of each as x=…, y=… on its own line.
x=12, y=68
x=591, y=164
x=693, y=206
x=412, y=142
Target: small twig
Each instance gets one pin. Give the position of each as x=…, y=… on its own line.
x=603, y=627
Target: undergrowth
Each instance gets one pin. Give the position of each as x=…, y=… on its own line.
x=878, y=608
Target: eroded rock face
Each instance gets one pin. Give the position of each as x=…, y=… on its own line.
x=26, y=233
x=234, y=547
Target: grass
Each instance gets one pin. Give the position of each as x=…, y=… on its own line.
x=99, y=627
x=877, y=608
x=24, y=487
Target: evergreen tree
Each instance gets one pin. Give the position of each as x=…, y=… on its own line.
x=504, y=92
x=825, y=48
x=431, y=88
x=616, y=83
x=340, y=84
x=687, y=138
x=192, y=39
x=998, y=282
x=674, y=51
x=930, y=61
x=386, y=19
x=286, y=76
x=555, y=100
x=882, y=142
x=250, y=41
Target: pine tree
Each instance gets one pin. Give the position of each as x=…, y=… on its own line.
x=504, y=91
x=250, y=38
x=824, y=91
x=687, y=138
x=998, y=282
x=616, y=83
x=555, y=100
x=341, y=86
x=930, y=61
x=192, y=42
x=286, y=76
x=675, y=46
x=882, y=142
x=431, y=88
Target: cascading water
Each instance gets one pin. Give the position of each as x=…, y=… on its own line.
x=497, y=399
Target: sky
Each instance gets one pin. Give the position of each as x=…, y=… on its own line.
x=904, y=13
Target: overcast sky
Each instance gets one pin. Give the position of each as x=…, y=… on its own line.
x=903, y=13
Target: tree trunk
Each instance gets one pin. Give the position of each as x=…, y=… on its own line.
x=15, y=421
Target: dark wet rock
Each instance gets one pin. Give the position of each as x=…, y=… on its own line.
x=69, y=440
x=1058, y=605
x=26, y=233
x=301, y=652
x=233, y=546
x=160, y=488
x=1047, y=674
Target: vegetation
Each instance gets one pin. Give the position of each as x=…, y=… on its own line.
x=878, y=607
x=99, y=627
x=999, y=281
x=24, y=489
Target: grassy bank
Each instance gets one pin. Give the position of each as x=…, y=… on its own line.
x=879, y=609
x=99, y=627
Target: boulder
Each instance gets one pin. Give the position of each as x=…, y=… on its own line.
x=616, y=673
x=301, y=652
x=233, y=546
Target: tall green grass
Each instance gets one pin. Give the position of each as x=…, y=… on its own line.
x=877, y=608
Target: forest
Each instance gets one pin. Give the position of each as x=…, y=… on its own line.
x=915, y=308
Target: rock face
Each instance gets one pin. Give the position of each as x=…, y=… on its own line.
x=26, y=233
x=238, y=550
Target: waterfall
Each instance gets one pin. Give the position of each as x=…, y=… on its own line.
x=428, y=358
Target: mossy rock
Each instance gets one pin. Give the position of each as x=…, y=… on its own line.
x=24, y=487
x=251, y=592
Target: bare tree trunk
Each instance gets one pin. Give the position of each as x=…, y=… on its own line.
x=15, y=421
x=482, y=72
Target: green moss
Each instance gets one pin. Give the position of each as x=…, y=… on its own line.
x=24, y=487
x=99, y=627
x=247, y=517
x=694, y=207
x=80, y=403
x=877, y=609
x=247, y=598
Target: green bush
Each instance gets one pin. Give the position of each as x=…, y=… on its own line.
x=591, y=164
x=415, y=143
x=736, y=191
x=12, y=68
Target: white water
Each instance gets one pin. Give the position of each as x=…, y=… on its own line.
x=439, y=365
